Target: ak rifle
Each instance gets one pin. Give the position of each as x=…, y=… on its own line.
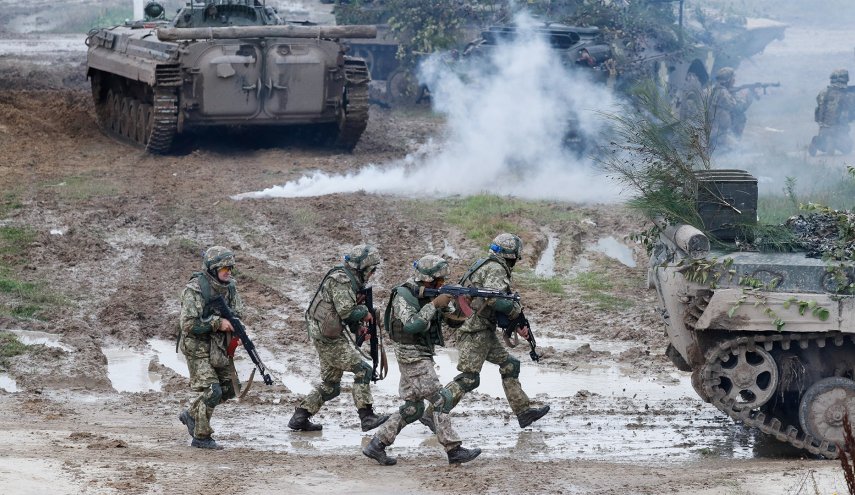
x=757, y=85
x=378, y=354
x=240, y=332
x=464, y=294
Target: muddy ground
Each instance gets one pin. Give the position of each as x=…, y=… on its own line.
x=99, y=238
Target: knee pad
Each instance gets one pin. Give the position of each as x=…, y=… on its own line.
x=442, y=400
x=468, y=381
x=214, y=396
x=363, y=374
x=330, y=391
x=412, y=410
x=510, y=368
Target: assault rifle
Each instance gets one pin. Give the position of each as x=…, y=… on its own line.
x=378, y=354
x=461, y=293
x=240, y=332
x=510, y=326
x=757, y=85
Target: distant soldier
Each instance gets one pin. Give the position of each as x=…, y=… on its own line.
x=477, y=340
x=728, y=109
x=414, y=325
x=204, y=341
x=834, y=109
x=336, y=307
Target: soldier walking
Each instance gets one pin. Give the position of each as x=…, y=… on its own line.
x=335, y=307
x=204, y=339
x=835, y=108
x=477, y=340
x=414, y=325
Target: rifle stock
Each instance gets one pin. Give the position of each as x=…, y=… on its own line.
x=240, y=332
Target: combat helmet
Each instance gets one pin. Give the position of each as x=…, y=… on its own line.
x=508, y=246
x=725, y=75
x=840, y=77
x=430, y=267
x=217, y=257
x=362, y=257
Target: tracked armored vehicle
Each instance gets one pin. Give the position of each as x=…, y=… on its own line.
x=225, y=63
x=769, y=337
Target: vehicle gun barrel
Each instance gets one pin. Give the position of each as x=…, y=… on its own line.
x=689, y=239
x=237, y=32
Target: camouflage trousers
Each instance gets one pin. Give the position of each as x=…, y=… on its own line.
x=338, y=356
x=476, y=347
x=203, y=378
x=831, y=139
x=418, y=382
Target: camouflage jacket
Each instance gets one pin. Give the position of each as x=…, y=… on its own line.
x=420, y=317
x=725, y=105
x=340, y=290
x=834, y=107
x=493, y=273
x=198, y=323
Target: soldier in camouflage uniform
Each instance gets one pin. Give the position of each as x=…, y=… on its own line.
x=414, y=325
x=834, y=109
x=728, y=109
x=204, y=340
x=477, y=340
x=335, y=308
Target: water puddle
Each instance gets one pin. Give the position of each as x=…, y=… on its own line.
x=128, y=371
x=560, y=344
x=546, y=264
x=28, y=337
x=8, y=383
x=615, y=249
x=448, y=250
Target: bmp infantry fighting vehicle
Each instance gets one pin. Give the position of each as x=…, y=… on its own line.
x=769, y=337
x=225, y=62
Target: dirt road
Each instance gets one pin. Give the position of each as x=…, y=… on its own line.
x=98, y=239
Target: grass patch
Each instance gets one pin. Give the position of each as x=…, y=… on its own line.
x=305, y=217
x=528, y=279
x=484, y=216
x=14, y=241
x=25, y=300
x=10, y=346
x=9, y=202
x=596, y=288
x=79, y=187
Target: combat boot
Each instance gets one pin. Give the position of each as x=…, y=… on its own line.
x=188, y=421
x=377, y=451
x=368, y=419
x=459, y=455
x=300, y=421
x=531, y=415
x=205, y=443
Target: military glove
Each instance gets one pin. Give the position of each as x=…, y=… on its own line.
x=442, y=300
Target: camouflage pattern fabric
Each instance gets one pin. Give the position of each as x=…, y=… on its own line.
x=404, y=312
x=493, y=274
x=834, y=109
x=475, y=348
x=206, y=353
x=477, y=340
x=337, y=356
x=418, y=382
x=728, y=114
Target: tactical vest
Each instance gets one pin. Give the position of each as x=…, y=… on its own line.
x=429, y=338
x=323, y=311
x=208, y=294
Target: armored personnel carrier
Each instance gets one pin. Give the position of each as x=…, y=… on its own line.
x=225, y=63
x=769, y=337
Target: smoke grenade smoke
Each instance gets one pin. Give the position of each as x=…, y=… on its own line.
x=508, y=113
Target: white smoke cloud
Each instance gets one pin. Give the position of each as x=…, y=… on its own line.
x=507, y=116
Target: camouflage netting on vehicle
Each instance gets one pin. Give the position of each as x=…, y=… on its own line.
x=827, y=234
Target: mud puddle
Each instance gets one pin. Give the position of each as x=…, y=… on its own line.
x=128, y=370
x=28, y=337
x=7, y=383
x=615, y=249
x=546, y=264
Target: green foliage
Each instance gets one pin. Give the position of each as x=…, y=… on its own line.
x=9, y=201
x=483, y=216
x=552, y=285
x=597, y=288
x=10, y=346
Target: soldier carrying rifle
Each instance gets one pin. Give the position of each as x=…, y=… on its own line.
x=477, y=340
